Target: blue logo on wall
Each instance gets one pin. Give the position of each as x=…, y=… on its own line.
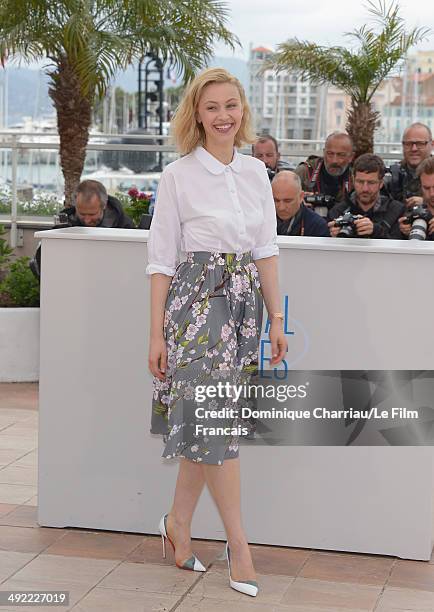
x=298, y=343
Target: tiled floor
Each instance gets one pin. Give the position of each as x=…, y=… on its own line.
x=121, y=572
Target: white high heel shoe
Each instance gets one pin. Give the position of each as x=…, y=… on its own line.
x=191, y=564
x=248, y=587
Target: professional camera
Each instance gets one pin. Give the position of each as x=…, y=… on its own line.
x=347, y=223
x=321, y=203
x=61, y=219
x=418, y=217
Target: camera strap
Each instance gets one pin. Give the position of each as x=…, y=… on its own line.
x=314, y=177
x=315, y=183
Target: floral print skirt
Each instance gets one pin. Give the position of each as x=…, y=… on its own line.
x=212, y=328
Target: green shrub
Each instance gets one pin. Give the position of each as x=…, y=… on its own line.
x=20, y=288
x=5, y=252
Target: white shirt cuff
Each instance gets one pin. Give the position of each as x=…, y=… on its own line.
x=156, y=268
x=265, y=251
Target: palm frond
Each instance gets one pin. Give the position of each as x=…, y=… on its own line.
x=317, y=63
x=358, y=71
x=100, y=37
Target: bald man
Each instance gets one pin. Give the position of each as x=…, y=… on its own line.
x=293, y=217
x=330, y=174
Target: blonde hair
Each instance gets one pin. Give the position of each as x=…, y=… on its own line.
x=186, y=130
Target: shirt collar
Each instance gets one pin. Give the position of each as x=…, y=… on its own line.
x=213, y=165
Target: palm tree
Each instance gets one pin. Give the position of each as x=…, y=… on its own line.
x=87, y=41
x=358, y=72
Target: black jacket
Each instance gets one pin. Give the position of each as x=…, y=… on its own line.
x=401, y=182
x=384, y=215
x=315, y=178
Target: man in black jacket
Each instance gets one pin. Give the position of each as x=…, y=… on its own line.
x=378, y=214
x=402, y=183
x=425, y=172
x=93, y=208
x=330, y=174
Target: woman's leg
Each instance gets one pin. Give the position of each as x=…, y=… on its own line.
x=189, y=485
x=223, y=482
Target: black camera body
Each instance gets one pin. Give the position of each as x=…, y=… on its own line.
x=320, y=199
x=418, y=217
x=347, y=223
x=321, y=203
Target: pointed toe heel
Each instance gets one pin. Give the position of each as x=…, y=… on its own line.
x=191, y=564
x=248, y=587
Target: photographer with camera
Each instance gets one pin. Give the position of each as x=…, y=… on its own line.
x=402, y=182
x=293, y=217
x=266, y=149
x=93, y=208
x=418, y=222
x=327, y=180
x=366, y=213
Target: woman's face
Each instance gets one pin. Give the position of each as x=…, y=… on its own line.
x=220, y=112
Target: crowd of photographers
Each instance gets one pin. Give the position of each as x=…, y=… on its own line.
x=333, y=195
x=339, y=196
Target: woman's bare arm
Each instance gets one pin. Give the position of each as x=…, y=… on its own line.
x=269, y=278
x=157, y=346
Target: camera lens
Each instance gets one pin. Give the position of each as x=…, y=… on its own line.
x=347, y=231
x=418, y=230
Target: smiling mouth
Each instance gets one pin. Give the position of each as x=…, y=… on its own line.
x=224, y=127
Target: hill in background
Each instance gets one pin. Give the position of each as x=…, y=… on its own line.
x=28, y=89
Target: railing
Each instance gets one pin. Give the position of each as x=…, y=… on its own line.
x=18, y=142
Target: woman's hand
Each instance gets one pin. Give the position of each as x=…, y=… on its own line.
x=157, y=360
x=279, y=345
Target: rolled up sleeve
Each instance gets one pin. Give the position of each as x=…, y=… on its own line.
x=165, y=233
x=266, y=243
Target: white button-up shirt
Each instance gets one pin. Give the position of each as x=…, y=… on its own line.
x=205, y=205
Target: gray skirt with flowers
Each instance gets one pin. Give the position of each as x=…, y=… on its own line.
x=212, y=328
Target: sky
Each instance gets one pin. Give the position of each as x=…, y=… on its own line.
x=268, y=22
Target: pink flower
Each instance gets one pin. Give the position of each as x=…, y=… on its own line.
x=143, y=196
x=133, y=192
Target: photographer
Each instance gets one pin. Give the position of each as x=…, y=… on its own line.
x=329, y=175
x=293, y=217
x=402, y=183
x=418, y=223
x=267, y=150
x=93, y=208
x=366, y=213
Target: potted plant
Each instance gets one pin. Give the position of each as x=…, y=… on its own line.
x=19, y=317
x=136, y=205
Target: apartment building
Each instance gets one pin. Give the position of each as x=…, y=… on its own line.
x=283, y=104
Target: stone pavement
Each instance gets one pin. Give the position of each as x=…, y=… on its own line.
x=122, y=572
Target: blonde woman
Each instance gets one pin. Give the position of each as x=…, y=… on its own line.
x=215, y=205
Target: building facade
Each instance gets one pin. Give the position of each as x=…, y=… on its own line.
x=338, y=105
x=283, y=104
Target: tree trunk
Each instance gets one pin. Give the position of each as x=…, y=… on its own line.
x=361, y=123
x=74, y=112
